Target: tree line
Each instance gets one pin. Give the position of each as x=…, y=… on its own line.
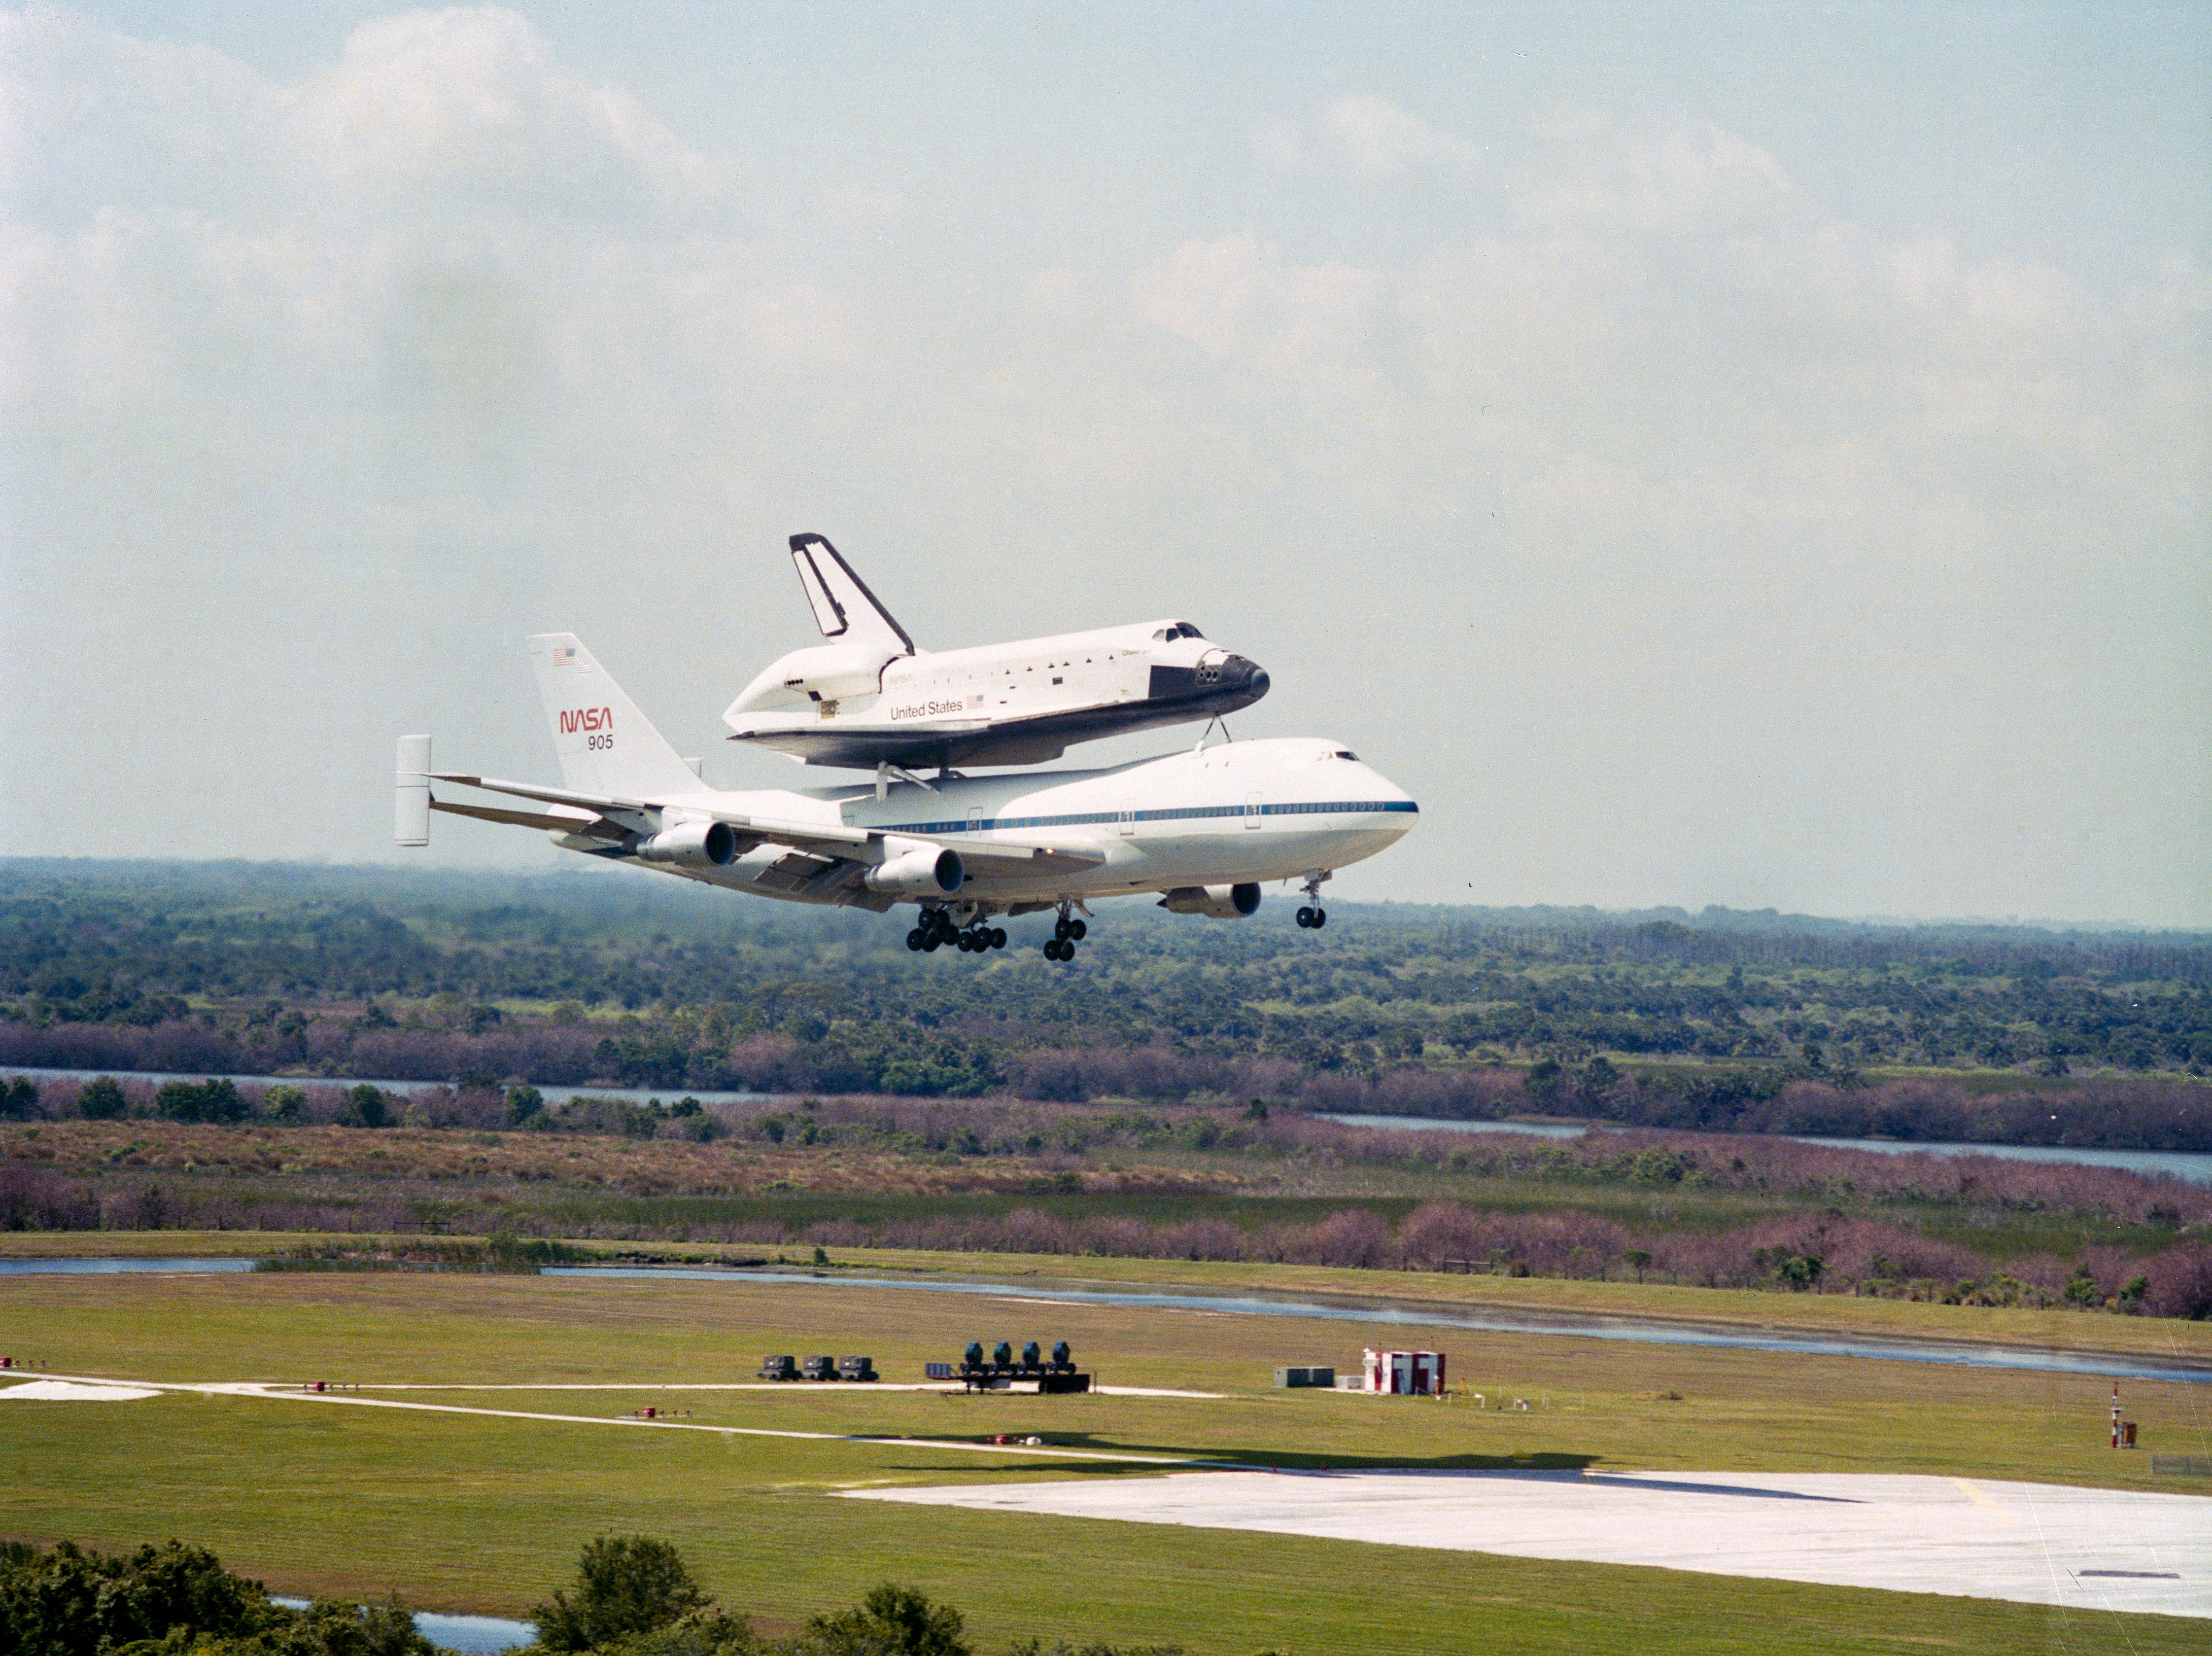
x=631, y=1596
x=598, y=978
x=1171, y=1183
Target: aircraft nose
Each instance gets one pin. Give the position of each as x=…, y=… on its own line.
x=1245, y=674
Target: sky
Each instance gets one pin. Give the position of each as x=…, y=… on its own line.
x=1752, y=456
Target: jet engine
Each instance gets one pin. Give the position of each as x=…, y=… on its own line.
x=1214, y=902
x=925, y=871
x=692, y=845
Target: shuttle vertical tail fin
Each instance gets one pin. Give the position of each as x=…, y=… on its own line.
x=606, y=745
x=844, y=608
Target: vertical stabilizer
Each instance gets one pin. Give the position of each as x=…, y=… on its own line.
x=411, y=813
x=844, y=608
x=604, y=742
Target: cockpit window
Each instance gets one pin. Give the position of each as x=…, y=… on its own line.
x=1346, y=753
x=1177, y=630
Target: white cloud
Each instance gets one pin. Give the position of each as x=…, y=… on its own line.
x=1204, y=292
x=1680, y=178
x=1374, y=138
x=429, y=107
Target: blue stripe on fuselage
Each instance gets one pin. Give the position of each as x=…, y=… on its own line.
x=1085, y=818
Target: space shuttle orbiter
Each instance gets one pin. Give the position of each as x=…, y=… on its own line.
x=869, y=698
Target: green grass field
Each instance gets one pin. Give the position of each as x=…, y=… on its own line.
x=477, y=1512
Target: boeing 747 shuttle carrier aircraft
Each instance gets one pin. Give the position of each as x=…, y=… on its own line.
x=1202, y=828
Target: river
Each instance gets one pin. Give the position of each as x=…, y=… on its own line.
x=2194, y=1166
x=403, y=1089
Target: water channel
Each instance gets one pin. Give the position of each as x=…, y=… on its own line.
x=2194, y=1166
x=472, y=1636
x=398, y=1089
x=1581, y=1325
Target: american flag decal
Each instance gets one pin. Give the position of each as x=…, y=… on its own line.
x=564, y=656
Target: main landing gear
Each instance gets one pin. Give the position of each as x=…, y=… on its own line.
x=937, y=929
x=1067, y=932
x=1313, y=916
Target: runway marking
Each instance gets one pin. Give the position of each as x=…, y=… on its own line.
x=797, y=1388
x=1981, y=1499
x=278, y=1391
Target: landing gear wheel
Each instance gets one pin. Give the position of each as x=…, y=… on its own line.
x=997, y=937
x=1313, y=916
x=1062, y=927
x=932, y=943
x=914, y=938
x=1076, y=928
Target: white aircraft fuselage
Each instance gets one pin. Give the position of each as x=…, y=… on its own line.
x=1203, y=827
x=1234, y=813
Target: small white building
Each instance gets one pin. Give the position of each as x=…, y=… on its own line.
x=1405, y=1373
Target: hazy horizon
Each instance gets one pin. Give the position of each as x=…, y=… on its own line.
x=599, y=869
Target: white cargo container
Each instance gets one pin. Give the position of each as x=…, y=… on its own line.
x=1404, y=1374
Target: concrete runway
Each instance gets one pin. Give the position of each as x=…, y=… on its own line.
x=2035, y=1543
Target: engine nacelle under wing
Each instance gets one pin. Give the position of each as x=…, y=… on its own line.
x=692, y=845
x=1214, y=902
x=925, y=871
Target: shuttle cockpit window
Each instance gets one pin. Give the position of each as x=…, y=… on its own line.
x=1168, y=634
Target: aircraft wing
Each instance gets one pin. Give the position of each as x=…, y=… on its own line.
x=820, y=838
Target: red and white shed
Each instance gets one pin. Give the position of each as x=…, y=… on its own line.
x=1407, y=1373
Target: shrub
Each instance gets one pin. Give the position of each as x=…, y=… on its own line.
x=625, y=1584
x=103, y=1099
x=214, y=1100
x=366, y=1107
x=73, y=1603
x=891, y=1621
x=283, y=1103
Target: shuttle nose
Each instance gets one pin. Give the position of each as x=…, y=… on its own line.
x=1220, y=682
x=1249, y=675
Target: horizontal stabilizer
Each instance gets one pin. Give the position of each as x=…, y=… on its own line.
x=410, y=817
x=577, y=822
